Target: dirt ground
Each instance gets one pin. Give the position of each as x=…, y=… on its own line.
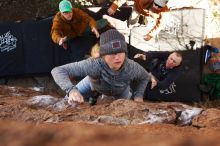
x=24, y=121
x=25, y=124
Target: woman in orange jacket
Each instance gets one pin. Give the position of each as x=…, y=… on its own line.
x=71, y=22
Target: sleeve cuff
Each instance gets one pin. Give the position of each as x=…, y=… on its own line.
x=70, y=89
x=114, y=7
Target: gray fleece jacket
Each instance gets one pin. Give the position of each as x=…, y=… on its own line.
x=103, y=79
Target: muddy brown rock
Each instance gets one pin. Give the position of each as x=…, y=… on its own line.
x=209, y=118
x=121, y=122
x=28, y=105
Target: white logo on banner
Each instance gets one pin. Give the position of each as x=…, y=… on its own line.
x=172, y=26
x=169, y=90
x=7, y=42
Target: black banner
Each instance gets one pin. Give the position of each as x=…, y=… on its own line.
x=11, y=49
x=38, y=46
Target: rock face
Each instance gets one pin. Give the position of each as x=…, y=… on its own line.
x=47, y=108
x=21, y=109
x=209, y=118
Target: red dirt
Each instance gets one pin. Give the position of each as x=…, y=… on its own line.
x=21, y=124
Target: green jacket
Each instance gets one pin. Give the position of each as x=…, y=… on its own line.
x=214, y=81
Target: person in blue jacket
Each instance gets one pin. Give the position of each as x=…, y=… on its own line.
x=110, y=74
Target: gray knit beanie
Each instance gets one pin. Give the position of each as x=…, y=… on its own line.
x=161, y=3
x=112, y=42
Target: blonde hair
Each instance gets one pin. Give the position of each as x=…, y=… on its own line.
x=95, y=51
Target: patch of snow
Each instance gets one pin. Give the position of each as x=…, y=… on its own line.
x=156, y=117
x=42, y=100
x=17, y=94
x=13, y=89
x=63, y=104
x=37, y=88
x=187, y=115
